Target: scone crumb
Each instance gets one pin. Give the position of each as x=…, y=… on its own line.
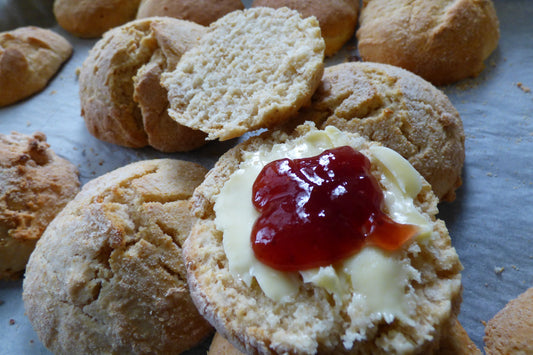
x=484, y=323
x=11, y=321
x=499, y=270
x=523, y=87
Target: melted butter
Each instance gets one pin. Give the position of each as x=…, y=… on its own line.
x=378, y=278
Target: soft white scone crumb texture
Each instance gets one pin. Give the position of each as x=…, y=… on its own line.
x=107, y=276
x=252, y=69
x=312, y=320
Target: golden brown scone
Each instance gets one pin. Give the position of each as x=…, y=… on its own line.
x=107, y=276
x=443, y=41
x=398, y=109
x=91, y=18
x=200, y=11
x=29, y=58
x=122, y=100
x=337, y=19
x=35, y=184
x=312, y=320
x=455, y=342
x=253, y=69
x=510, y=331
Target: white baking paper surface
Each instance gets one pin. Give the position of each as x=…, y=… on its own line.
x=490, y=222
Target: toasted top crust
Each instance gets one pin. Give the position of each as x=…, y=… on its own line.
x=35, y=184
x=509, y=332
x=200, y=11
x=107, y=276
x=337, y=19
x=29, y=57
x=91, y=18
x=311, y=321
x=122, y=101
x=443, y=41
x=253, y=69
x=401, y=111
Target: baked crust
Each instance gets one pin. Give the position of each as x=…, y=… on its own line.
x=91, y=18
x=443, y=41
x=35, y=184
x=107, y=275
x=29, y=58
x=200, y=11
x=509, y=331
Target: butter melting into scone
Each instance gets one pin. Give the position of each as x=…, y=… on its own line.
x=35, y=184
x=443, y=41
x=29, y=58
x=374, y=301
x=107, y=277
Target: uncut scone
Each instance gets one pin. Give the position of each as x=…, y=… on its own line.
x=311, y=320
x=443, y=41
x=400, y=110
x=35, y=184
x=107, y=276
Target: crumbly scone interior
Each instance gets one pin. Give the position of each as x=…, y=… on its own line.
x=121, y=239
x=313, y=320
x=253, y=69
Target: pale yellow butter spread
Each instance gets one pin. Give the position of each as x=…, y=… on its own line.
x=378, y=277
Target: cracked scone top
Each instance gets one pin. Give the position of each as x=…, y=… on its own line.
x=252, y=69
x=309, y=315
x=107, y=276
x=400, y=110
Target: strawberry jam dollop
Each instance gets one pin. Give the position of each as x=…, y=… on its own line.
x=319, y=210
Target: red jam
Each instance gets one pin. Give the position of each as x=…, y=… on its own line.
x=316, y=211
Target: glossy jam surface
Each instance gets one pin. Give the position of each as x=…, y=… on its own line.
x=316, y=211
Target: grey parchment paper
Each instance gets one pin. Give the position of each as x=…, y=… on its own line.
x=490, y=222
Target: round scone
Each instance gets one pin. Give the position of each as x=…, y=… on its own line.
x=91, y=18
x=310, y=273
x=337, y=19
x=252, y=69
x=200, y=11
x=443, y=41
x=107, y=275
x=122, y=101
x=401, y=111
x=35, y=184
x=29, y=58
x=511, y=329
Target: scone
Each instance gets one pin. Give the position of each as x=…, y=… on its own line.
x=455, y=342
x=107, y=275
x=510, y=331
x=253, y=69
x=35, y=184
x=122, y=101
x=443, y=41
x=398, y=109
x=29, y=58
x=91, y=18
x=283, y=280
x=200, y=11
x=337, y=19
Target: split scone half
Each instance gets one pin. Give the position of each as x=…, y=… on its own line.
x=378, y=298
x=252, y=69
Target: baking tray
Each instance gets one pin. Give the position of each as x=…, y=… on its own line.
x=490, y=222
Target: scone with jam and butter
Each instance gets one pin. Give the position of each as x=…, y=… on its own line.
x=321, y=242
